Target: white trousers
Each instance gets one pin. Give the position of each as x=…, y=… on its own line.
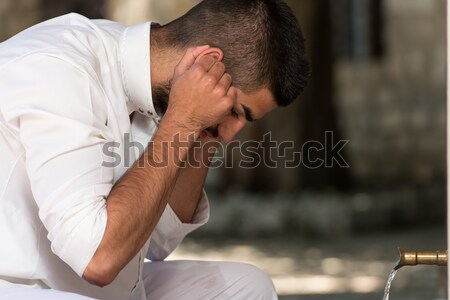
x=187, y=280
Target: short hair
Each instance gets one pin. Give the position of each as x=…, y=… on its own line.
x=262, y=43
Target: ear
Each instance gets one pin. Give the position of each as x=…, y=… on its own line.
x=215, y=52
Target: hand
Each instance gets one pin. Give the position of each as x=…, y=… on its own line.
x=230, y=127
x=201, y=94
x=227, y=130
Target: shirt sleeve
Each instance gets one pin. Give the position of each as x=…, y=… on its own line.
x=170, y=231
x=49, y=103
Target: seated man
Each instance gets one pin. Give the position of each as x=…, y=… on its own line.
x=76, y=222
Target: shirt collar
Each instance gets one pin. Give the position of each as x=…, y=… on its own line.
x=136, y=71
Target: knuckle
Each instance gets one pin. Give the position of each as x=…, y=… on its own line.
x=210, y=80
x=228, y=102
x=232, y=92
x=220, y=90
x=197, y=71
x=226, y=80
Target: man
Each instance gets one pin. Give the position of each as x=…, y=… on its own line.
x=75, y=222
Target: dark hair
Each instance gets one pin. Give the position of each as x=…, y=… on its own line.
x=262, y=43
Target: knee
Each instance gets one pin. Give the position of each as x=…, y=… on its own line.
x=254, y=283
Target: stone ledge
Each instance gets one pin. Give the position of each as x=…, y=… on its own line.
x=322, y=214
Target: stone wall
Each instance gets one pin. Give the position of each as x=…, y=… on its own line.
x=393, y=110
x=323, y=213
x=137, y=11
x=17, y=15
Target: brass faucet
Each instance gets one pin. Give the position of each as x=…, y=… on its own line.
x=414, y=258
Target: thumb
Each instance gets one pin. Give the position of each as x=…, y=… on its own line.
x=189, y=59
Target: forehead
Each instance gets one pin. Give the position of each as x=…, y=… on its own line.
x=260, y=102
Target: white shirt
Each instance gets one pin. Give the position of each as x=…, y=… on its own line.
x=67, y=87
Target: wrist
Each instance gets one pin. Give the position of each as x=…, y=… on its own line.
x=171, y=143
x=181, y=122
x=202, y=152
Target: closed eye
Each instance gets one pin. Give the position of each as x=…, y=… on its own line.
x=249, y=114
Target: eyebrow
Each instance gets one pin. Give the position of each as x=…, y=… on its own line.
x=249, y=114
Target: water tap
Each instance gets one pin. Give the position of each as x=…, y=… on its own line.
x=414, y=258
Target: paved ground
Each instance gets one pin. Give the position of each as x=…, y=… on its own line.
x=343, y=268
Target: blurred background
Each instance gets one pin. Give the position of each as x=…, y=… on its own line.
x=328, y=232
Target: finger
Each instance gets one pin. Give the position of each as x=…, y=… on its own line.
x=229, y=101
x=189, y=59
x=206, y=62
x=217, y=70
x=225, y=83
x=232, y=93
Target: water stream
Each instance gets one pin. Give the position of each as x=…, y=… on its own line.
x=387, y=289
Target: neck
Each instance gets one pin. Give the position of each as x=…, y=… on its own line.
x=163, y=59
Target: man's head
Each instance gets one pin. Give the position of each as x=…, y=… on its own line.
x=261, y=40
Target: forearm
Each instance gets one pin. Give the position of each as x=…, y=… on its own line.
x=136, y=203
x=188, y=189
x=201, y=96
